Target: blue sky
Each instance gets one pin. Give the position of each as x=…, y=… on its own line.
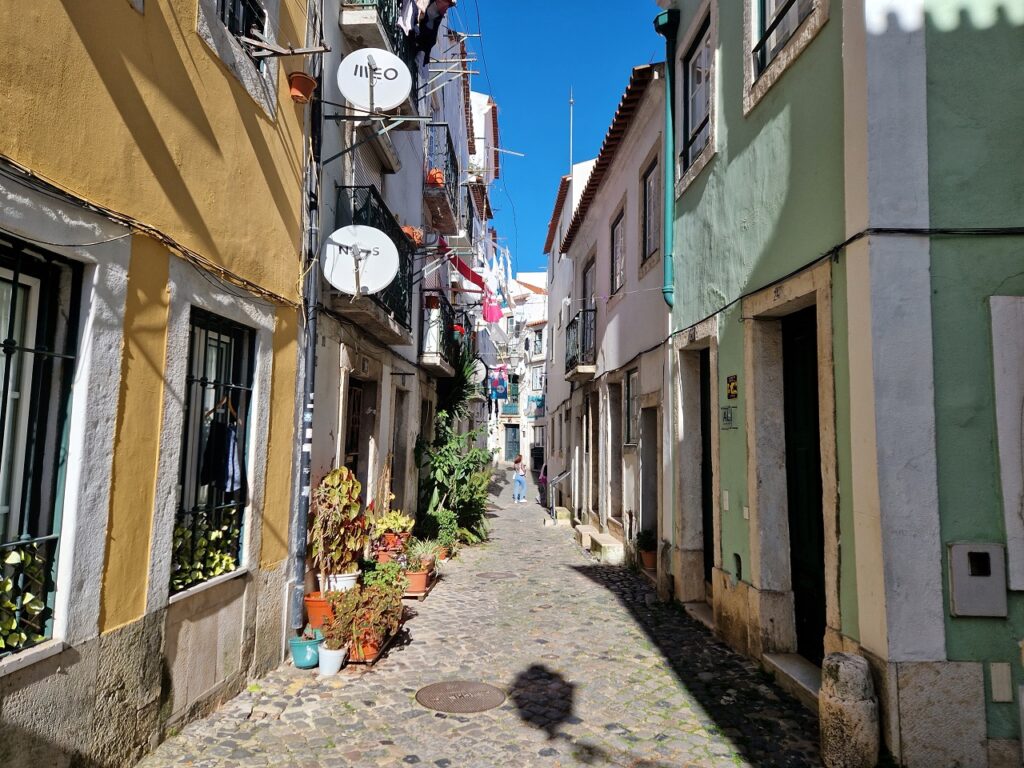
x=532, y=51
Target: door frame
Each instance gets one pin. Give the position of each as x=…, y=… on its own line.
x=769, y=570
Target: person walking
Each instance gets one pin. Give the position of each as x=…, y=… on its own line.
x=519, y=480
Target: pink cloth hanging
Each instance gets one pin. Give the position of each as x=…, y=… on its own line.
x=492, y=309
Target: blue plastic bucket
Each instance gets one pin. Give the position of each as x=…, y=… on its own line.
x=304, y=652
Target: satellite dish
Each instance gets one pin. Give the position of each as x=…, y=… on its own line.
x=360, y=260
x=373, y=79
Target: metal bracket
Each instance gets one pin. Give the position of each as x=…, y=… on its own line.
x=263, y=48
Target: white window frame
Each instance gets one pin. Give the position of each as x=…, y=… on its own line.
x=617, y=253
x=707, y=14
x=651, y=211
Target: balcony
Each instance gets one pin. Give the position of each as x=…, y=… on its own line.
x=374, y=24
x=580, y=346
x=441, y=186
x=388, y=314
x=440, y=340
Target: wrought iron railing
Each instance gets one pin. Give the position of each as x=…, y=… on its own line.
x=388, y=11
x=364, y=205
x=580, y=340
x=442, y=332
x=442, y=162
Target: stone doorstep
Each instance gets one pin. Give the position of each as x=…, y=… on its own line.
x=796, y=675
x=607, y=549
x=583, y=534
x=701, y=611
x=563, y=513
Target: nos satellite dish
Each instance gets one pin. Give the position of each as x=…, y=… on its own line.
x=373, y=79
x=360, y=260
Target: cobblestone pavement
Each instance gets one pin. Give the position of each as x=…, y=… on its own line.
x=598, y=673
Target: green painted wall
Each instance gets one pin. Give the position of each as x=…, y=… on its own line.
x=976, y=179
x=733, y=445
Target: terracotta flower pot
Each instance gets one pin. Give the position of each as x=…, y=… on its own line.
x=363, y=651
x=418, y=580
x=442, y=553
x=649, y=559
x=435, y=177
x=301, y=87
x=384, y=556
x=392, y=541
x=318, y=609
x=405, y=536
x=432, y=302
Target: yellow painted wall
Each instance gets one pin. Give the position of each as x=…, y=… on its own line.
x=135, y=112
x=137, y=436
x=278, y=494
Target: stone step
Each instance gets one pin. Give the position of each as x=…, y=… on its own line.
x=583, y=534
x=562, y=513
x=797, y=675
x=607, y=549
x=702, y=612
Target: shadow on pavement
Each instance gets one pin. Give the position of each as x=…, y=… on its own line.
x=544, y=699
x=766, y=725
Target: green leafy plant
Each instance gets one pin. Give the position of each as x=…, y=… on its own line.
x=647, y=541
x=201, y=551
x=337, y=634
x=22, y=585
x=368, y=615
x=339, y=531
x=388, y=575
x=393, y=522
x=421, y=555
x=454, y=392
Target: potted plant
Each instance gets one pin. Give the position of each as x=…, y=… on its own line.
x=458, y=332
x=435, y=177
x=304, y=648
x=301, y=87
x=390, y=575
x=420, y=555
x=392, y=529
x=318, y=609
x=647, y=543
x=334, y=647
x=339, y=531
x=373, y=614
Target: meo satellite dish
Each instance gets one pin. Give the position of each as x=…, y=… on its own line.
x=360, y=260
x=374, y=80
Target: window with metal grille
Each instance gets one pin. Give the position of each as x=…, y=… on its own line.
x=778, y=20
x=39, y=310
x=241, y=17
x=618, y=259
x=651, y=214
x=214, y=476
x=632, y=406
x=697, y=96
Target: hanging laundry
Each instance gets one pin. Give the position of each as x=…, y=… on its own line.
x=491, y=309
x=223, y=465
x=409, y=17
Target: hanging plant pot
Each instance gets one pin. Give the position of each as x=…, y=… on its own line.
x=301, y=86
x=435, y=177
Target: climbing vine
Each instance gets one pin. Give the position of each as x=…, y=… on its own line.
x=202, y=551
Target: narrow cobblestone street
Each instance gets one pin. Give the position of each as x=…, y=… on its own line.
x=598, y=673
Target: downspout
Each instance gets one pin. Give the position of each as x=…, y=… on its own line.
x=666, y=24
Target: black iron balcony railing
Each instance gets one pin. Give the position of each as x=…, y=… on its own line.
x=388, y=12
x=442, y=162
x=442, y=330
x=364, y=205
x=580, y=338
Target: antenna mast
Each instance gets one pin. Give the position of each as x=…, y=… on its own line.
x=572, y=101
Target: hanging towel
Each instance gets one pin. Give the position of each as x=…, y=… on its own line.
x=408, y=17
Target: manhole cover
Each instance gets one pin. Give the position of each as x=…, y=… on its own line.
x=460, y=697
x=496, y=575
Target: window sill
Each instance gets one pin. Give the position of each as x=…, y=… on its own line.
x=648, y=265
x=696, y=169
x=206, y=585
x=31, y=656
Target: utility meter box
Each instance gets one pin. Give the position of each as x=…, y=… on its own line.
x=977, y=579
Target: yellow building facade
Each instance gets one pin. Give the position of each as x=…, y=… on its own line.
x=151, y=176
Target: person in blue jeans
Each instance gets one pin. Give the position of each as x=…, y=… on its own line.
x=519, y=480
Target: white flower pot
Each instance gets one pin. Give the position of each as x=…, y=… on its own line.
x=339, y=583
x=331, y=661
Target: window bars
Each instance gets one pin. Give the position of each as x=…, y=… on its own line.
x=580, y=333
x=40, y=296
x=778, y=21
x=241, y=17
x=214, y=476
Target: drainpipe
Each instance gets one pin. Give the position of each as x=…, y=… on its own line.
x=666, y=24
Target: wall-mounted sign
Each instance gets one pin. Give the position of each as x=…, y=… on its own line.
x=729, y=417
x=731, y=387
x=374, y=80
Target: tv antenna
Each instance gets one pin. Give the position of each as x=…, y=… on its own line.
x=360, y=260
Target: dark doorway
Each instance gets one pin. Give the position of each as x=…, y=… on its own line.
x=706, y=471
x=803, y=479
x=649, y=470
x=353, y=421
x=511, y=441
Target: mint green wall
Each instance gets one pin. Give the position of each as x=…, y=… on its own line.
x=772, y=198
x=732, y=445
x=976, y=179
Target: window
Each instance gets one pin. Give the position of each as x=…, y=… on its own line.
x=538, y=436
x=632, y=406
x=242, y=16
x=618, y=253
x=777, y=21
x=537, y=378
x=651, y=212
x=538, y=342
x=697, y=95
x=38, y=311
x=214, y=476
